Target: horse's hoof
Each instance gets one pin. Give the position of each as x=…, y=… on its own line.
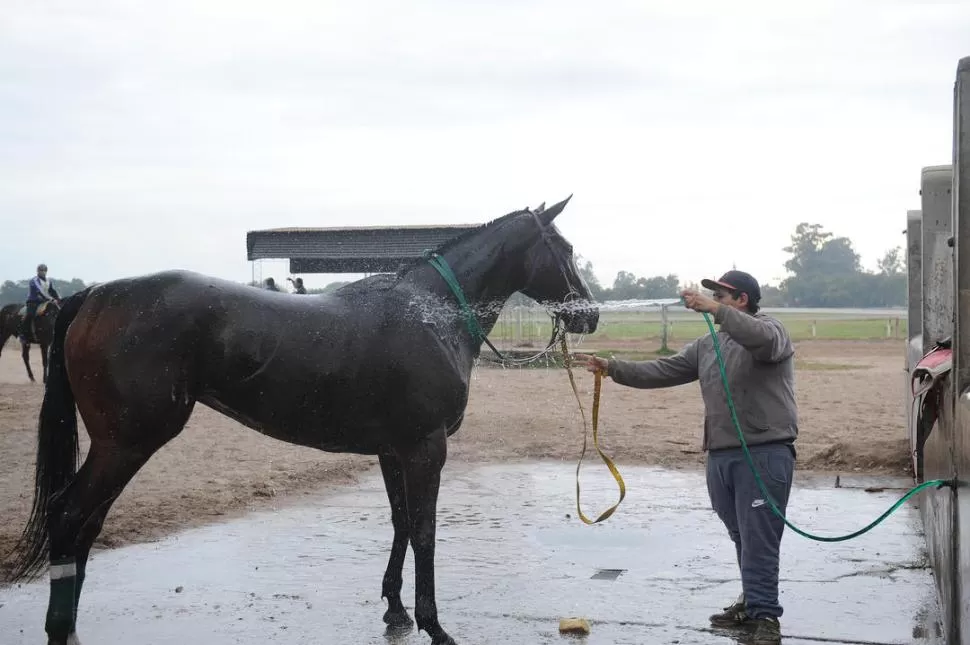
x=444, y=640
x=72, y=639
x=398, y=619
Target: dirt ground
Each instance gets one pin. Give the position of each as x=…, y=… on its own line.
x=849, y=392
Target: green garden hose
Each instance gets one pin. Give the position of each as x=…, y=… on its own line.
x=938, y=483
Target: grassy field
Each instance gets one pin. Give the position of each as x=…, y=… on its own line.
x=627, y=326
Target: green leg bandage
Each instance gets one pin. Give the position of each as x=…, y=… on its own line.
x=60, y=611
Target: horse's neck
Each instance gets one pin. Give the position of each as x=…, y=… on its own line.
x=487, y=272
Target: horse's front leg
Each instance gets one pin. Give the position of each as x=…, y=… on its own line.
x=422, y=465
x=396, y=615
x=25, y=352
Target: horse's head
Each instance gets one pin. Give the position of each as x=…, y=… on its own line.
x=552, y=278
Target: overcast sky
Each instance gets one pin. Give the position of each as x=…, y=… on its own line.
x=694, y=135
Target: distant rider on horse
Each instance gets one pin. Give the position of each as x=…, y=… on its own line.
x=39, y=291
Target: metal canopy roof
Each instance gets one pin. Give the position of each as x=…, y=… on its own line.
x=359, y=249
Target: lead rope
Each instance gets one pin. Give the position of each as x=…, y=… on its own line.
x=597, y=385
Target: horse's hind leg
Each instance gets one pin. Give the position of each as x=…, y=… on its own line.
x=396, y=615
x=422, y=465
x=76, y=516
x=75, y=519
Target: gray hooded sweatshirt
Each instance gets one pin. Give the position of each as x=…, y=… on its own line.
x=759, y=361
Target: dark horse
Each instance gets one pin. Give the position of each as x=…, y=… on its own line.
x=380, y=367
x=42, y=332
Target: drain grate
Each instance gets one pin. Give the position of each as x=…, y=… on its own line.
x=607, y=574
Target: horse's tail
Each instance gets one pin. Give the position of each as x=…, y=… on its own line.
x=57, y=448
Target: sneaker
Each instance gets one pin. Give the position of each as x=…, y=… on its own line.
x=732, y=616
x=767, y=631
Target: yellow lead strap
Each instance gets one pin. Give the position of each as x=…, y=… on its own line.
x=609, y=462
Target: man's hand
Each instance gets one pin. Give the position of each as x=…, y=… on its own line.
x=593, y=363
x=699, y=302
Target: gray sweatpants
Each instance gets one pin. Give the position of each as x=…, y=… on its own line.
x=754, y=528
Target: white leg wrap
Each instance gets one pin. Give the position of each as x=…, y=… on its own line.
x=66, y=570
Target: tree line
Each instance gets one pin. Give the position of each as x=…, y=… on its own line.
x=824, y=271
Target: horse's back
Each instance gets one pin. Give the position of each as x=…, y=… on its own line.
x=188, y=283
x=151, y=285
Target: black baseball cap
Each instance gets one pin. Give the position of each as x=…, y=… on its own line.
x=738, y=282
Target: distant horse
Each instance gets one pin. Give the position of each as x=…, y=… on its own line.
x=41, y=334
x=380, y=367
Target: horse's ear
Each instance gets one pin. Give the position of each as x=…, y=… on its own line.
x=550, y=213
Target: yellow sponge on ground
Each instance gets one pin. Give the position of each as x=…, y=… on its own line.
x=573, y=626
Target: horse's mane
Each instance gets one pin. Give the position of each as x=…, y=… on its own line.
x=455, y=241
x=385, y=281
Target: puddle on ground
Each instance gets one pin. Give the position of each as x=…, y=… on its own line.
x=512, y=559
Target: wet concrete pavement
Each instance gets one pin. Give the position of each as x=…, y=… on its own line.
x=510, y=565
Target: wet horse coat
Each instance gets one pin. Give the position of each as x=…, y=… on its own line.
x=380, y=367
x=344, y=374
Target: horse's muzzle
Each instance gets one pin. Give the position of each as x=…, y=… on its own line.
x=579, y=317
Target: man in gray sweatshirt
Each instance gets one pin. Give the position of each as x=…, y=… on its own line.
x=759, y=362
